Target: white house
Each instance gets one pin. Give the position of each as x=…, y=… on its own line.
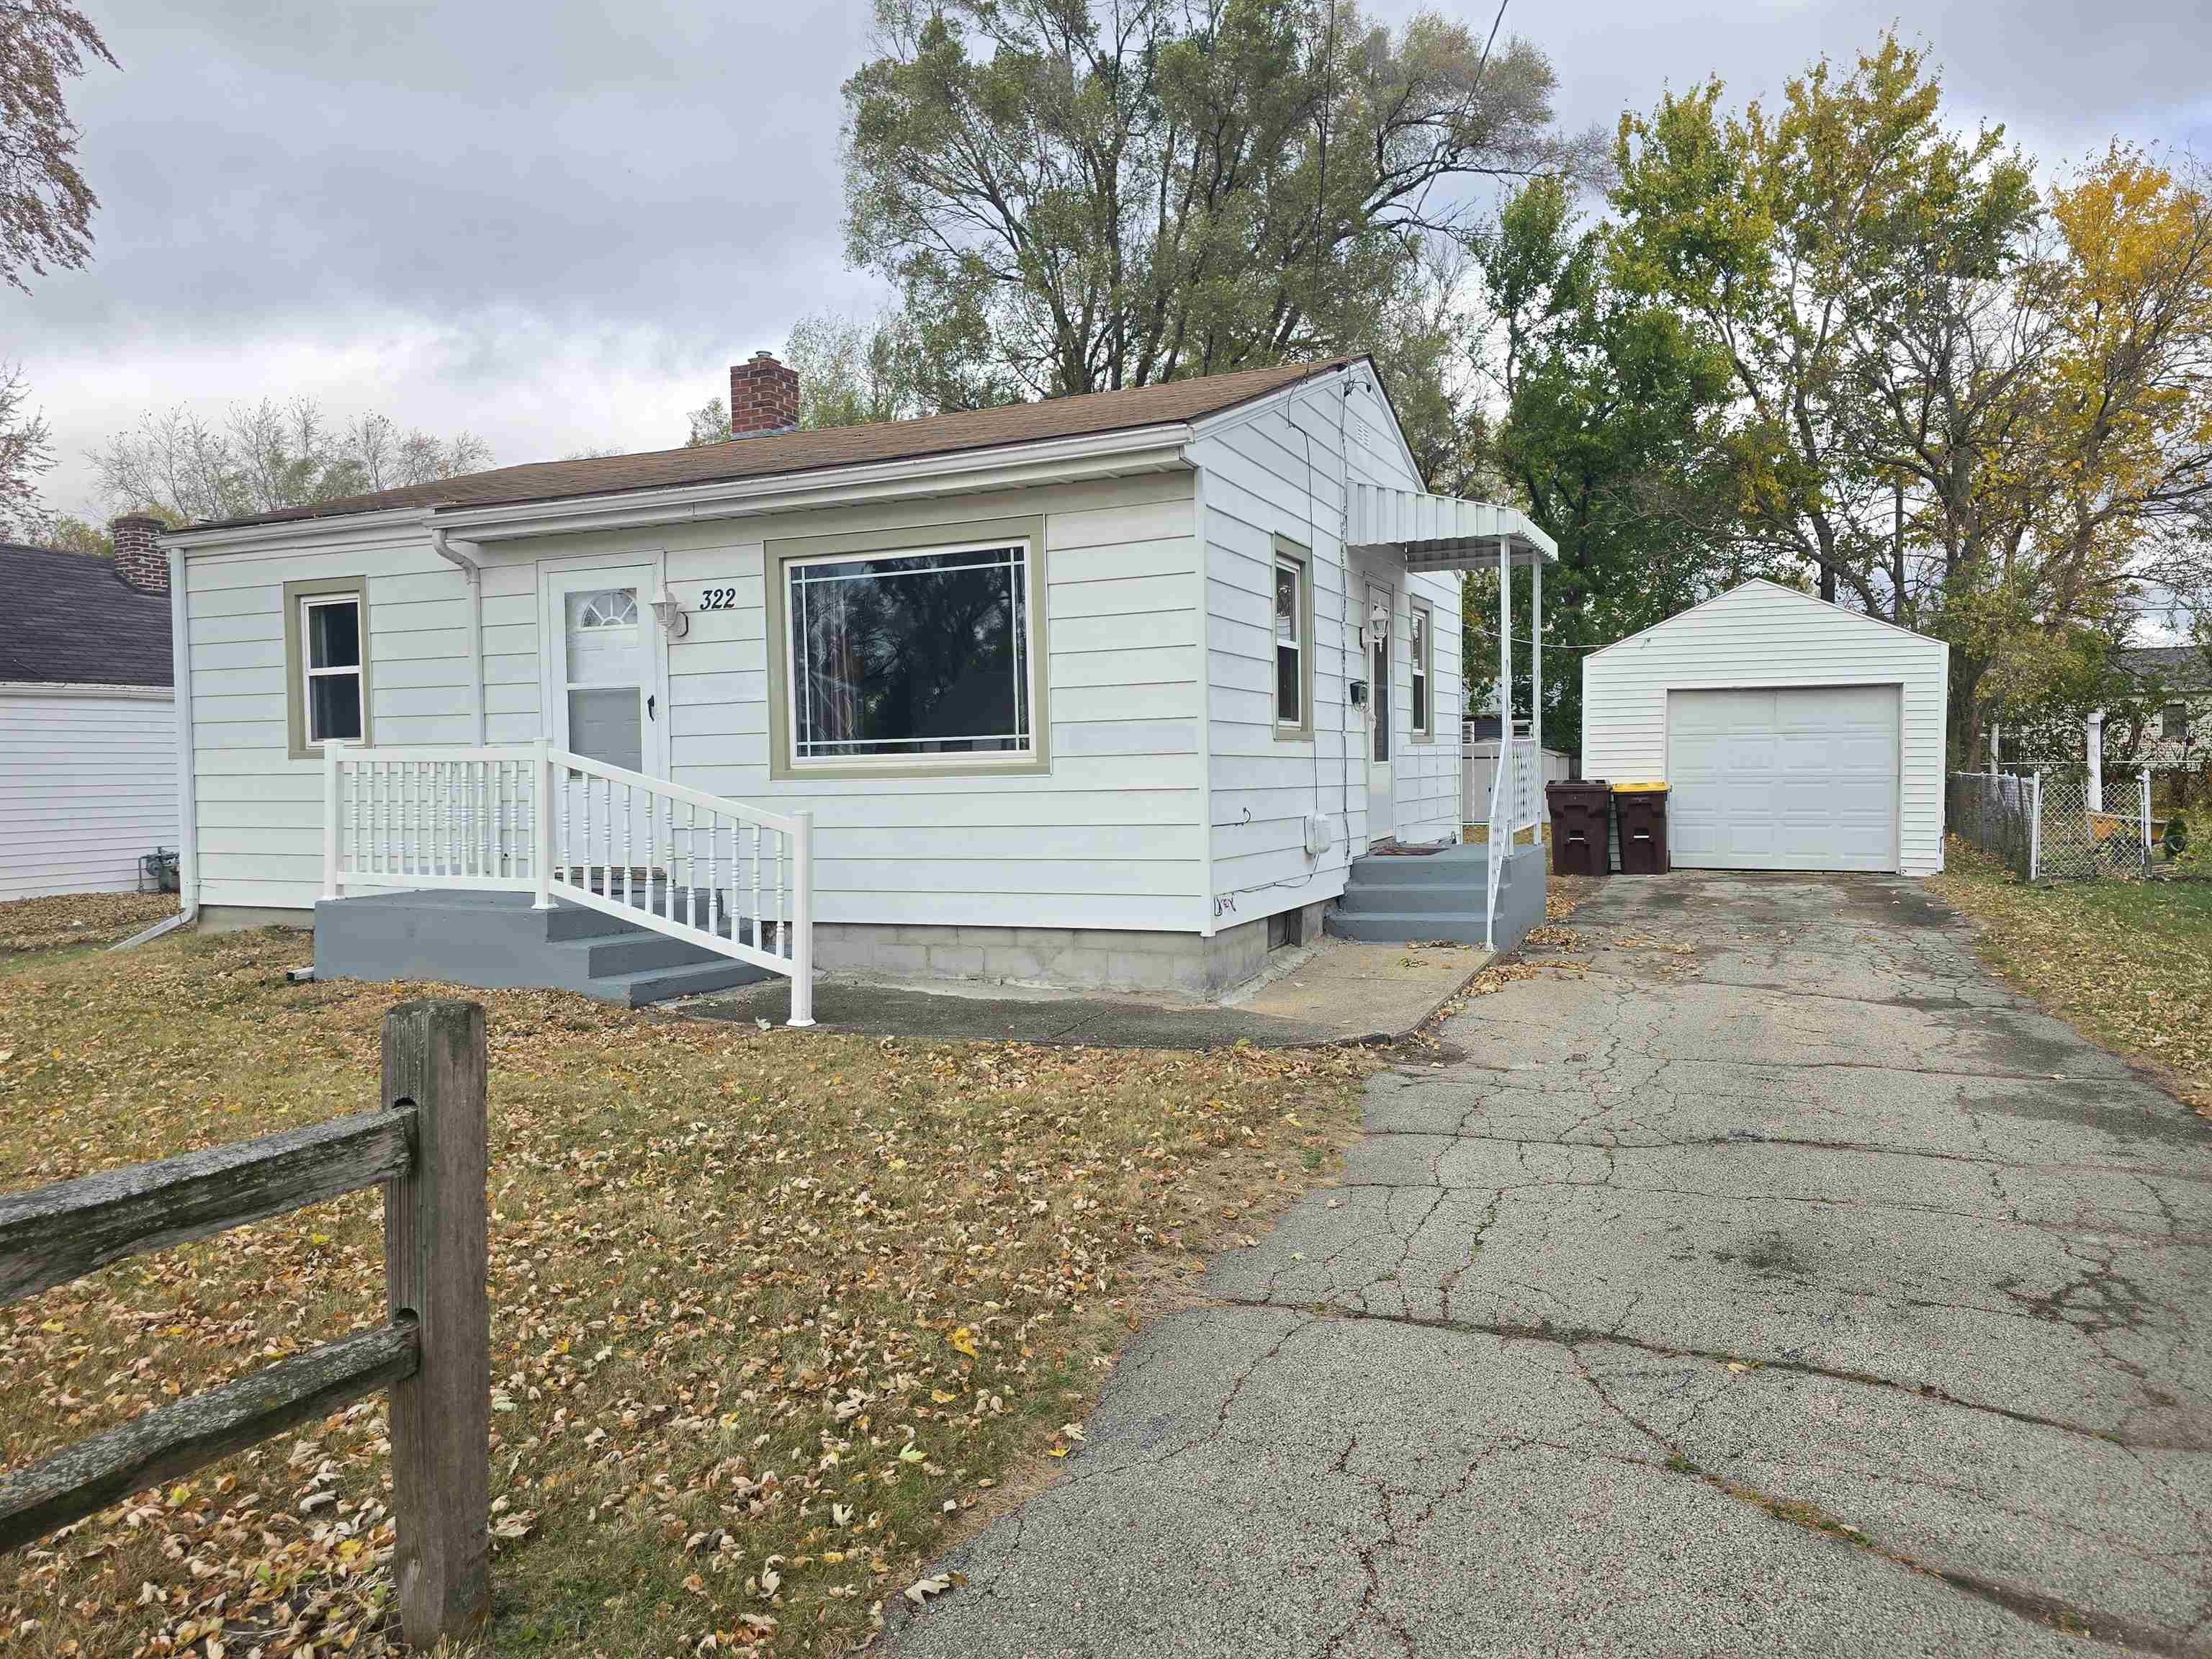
x=87, y=717
x=1071, y=692
x=1793, y=734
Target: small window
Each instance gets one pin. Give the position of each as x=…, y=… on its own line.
x=1290, y=648
x=898, y=656
x=332, y=628
x=326, y=645
x=2174, y=725
x=1424, y=724
x=1294, y=665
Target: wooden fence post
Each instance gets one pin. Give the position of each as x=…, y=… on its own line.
x=435, y=1267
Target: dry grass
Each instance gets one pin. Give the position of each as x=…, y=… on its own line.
x=774, y=1315
x=62, y=919
x=2129, y=964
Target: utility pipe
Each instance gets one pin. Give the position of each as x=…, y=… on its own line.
x=465, y=556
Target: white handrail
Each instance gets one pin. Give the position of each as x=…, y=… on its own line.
x=532, y=819
x=1515, y=803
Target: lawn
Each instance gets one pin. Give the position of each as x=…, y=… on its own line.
x=777, y=1316
x=2129, y=964
x=61, y=920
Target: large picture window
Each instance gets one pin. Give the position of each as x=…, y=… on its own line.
x=910, y=655
x=326, y=660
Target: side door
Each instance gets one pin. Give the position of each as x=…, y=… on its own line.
x=605, y=672
x=1381, y=713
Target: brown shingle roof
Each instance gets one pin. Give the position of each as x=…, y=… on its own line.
x=770, y=454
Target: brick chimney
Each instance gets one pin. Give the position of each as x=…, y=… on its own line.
x=763, y=396
x=137, y=560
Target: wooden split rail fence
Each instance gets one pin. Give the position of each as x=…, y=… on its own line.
x=427, y=1148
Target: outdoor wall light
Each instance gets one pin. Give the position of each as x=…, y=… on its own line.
x=674, y=621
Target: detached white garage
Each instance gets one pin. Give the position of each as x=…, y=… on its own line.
x=1793, y=733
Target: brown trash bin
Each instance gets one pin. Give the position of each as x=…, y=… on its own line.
x=1642, y=811
x=1580, y=820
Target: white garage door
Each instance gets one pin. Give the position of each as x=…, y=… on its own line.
x=1803, y=778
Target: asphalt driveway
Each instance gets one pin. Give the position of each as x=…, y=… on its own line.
x=1760, y=1277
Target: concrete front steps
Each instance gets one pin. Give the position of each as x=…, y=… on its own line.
x=1407, y=898
x=496, y=940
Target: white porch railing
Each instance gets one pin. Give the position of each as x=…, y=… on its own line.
x=1516, y=803
x=531, y=818
x=1479, y=771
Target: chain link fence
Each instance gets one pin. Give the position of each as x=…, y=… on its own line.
x=2038, y=824
x=1994, y=810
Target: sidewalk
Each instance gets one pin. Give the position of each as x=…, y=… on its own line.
x=1336, y=991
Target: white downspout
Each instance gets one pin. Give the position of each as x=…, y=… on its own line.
x=463, y=557
x=188, y=839
x=1536, y=659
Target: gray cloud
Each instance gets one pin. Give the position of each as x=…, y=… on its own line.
x=556, y=224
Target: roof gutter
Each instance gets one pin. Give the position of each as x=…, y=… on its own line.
x=463, y=557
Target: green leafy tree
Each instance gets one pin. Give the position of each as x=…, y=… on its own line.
x=1611, y=437
x=46, y=206
x=1791, y=237
x=1070, y=196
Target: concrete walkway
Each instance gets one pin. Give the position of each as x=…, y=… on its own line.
x=1335, y=992
x=1761, y=1279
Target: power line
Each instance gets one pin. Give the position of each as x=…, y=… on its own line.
x=1491, y=633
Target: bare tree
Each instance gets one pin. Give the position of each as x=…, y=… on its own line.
x=46, y=206
x=267, y=456
x=25, y=452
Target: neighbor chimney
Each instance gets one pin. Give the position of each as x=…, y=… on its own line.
x=137, y=560
x=763, y=396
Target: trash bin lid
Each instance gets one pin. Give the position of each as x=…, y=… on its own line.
x=1649, y=786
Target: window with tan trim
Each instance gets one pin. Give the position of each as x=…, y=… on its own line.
x=907, y=651
x=1292, y=589
x=326, y=664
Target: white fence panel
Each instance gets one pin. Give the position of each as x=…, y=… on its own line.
x=1479, y=768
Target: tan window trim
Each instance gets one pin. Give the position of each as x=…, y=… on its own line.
x=1287, y=551
x=1426, y=669
x=295, y=708
x=907, y=538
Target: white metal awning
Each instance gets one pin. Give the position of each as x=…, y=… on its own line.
x=1443, y=532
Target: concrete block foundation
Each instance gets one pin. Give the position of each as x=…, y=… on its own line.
x=1055, y=958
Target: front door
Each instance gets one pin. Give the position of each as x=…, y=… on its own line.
x=1381, y=711
x=604, y=691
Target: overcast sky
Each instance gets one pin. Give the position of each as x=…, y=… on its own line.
x=557, y=224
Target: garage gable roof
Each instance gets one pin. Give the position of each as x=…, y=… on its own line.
x=1841, y=612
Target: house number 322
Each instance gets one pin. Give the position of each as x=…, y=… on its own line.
x=719, y=599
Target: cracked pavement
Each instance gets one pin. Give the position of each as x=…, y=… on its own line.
x=1760, y=1276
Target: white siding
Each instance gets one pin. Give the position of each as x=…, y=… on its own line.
x=1761, y=634
x=88, y=786
x=1110, y=837
x=260, y=811
x=1280, y=471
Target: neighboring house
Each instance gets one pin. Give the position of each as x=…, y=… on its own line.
x=1077, y=692
x=1793, y=734
x=2179, y=732
x=87, y=717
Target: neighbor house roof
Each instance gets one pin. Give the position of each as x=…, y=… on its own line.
x=71, y=620
x=2177, y=664
x=770, y=454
